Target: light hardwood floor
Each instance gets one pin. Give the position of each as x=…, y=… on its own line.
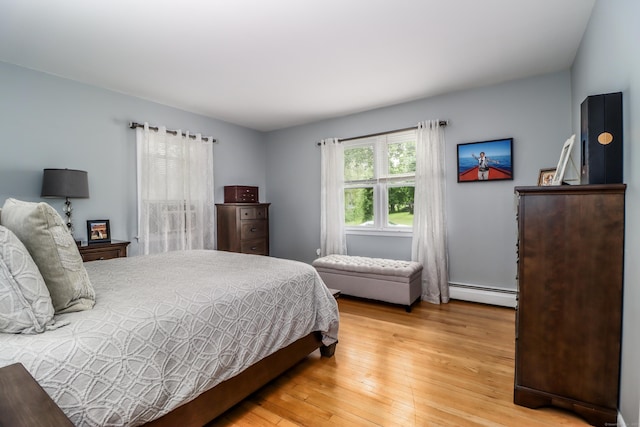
x=447, y=365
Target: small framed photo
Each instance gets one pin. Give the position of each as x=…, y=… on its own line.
x=485, y=160
x=546, y=176
x=98, y=231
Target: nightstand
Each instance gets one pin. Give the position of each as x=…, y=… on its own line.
x=100, y=251
x=24, y=403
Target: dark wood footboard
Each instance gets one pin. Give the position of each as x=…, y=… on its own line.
x=214, y=402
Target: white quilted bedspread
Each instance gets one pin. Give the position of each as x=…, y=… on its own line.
x=167, y=327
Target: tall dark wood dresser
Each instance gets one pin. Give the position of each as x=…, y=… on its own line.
x=243, y=227
x=569, y=313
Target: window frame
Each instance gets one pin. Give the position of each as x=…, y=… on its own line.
x=380, y=183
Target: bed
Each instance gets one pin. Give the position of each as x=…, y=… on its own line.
x=176, y=338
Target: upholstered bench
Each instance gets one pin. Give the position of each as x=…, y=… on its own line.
x=388, y=280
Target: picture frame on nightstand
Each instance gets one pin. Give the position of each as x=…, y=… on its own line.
x=98, y=231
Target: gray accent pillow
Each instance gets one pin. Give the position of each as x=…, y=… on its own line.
x=25, y=304
x=42, y=231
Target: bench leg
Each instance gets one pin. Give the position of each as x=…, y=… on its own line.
x=407, y=308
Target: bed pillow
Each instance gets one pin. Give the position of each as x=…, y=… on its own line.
x=42, y=231
x=25, y=303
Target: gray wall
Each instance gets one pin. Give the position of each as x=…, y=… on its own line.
x=536, y=112
x=608, y=61
x=50, y=122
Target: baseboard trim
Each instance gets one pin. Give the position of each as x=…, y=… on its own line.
x=621, y=422
x=483, y=294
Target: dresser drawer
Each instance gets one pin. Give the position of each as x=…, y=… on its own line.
x=253, y=212
x=257, y=247
x=253, y=229
x=100, y=251
x=100, y=255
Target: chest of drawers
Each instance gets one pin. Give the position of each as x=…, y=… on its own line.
x=243, y=227
x=569, y=314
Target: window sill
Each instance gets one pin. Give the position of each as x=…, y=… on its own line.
x=379, y=233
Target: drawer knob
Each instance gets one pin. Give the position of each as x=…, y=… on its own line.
x=254, y=229
x=254, y=248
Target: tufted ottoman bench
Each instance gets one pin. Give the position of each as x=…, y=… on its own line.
x=388, y=280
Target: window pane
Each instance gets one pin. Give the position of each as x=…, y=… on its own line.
x=401, y=206
x=402, y=157
x=358, y=206
x=358, y=163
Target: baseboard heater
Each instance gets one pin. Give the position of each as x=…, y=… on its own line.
x=483, y=294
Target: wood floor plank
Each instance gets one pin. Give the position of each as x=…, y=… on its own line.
x=440, y=365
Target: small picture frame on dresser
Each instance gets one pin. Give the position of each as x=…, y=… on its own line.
x=98, y=231
x=546, y=176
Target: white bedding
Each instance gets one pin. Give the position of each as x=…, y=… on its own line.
x=167, y=327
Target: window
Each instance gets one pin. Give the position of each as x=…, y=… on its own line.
x=379, y=174
x=171, y=217
x=175, y=191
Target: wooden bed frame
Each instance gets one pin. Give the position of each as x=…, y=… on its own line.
x=212, y=403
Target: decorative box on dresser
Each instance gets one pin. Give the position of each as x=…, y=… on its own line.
x=243, y=227
x=569, y=312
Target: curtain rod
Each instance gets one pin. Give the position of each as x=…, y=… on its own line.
x=441, y=123
x=133, y=125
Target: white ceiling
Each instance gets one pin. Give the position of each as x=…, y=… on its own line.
x=270, y=64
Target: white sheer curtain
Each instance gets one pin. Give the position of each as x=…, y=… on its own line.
x=429, y=245
x=332, y=237
x=175, y=191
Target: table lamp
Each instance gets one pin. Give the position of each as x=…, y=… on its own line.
x=65, y=183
